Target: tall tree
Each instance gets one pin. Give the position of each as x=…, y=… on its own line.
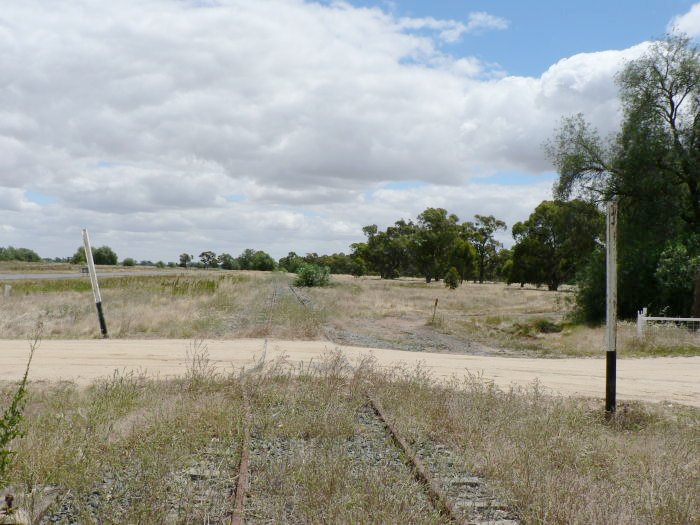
x=651, y=166
x=434, y=242
x=555, y=241
x=386, y=252
x=208, y=259
x=481, y=234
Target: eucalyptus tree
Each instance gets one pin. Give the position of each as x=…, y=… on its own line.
x=481, y=233
x=651, y=166
x=555, y=241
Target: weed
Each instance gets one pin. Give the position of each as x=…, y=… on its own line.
x=12, y=416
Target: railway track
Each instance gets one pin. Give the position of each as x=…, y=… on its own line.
x=473, y=505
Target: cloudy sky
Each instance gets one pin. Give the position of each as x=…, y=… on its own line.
x=170, y=126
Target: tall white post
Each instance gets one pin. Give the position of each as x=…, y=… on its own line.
x=611, y=306
x=93, y=281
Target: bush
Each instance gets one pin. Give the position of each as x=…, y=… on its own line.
x=128, y=262
x=312, y=275
x=452, y=278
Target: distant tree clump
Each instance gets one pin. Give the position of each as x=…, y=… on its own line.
x=102, y=255
x=228, y=262
x=436, y=242
x=255, y=260
x=129, y=261
x=18, y=254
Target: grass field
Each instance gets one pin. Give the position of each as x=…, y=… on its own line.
x=475, y=318
x=132, y=449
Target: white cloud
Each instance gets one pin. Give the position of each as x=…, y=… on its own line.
x=479, y=21
x=139, y=119
x=688, y=23
x=453, y=30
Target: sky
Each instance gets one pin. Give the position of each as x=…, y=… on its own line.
x=171, y=126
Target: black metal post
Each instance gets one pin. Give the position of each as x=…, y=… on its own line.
x=101, y=317
x=610, y=381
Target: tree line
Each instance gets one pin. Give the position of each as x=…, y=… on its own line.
x=11, y=253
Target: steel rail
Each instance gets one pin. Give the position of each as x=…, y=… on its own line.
x=243, y=483
x=437, y=497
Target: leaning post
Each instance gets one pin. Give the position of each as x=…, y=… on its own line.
x=611, y=306
x=93, y=281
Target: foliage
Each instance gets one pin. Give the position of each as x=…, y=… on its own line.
x=208, y=259
x=255, y=260
x=553, y=243
x=312, y=275
x=102, y=255
x=428, y=247
x=435, y=236
x=651, y=166
x=290, y=263
x=676, y=272
x=12, y=418
x=129, y=262
x=481, y=234
x=387, y=252
x=228, y=262
x=452, y=278
x=262, y=261
x=185, y=260
x=18, y=254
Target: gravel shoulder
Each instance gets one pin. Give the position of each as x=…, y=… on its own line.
x=668, y=379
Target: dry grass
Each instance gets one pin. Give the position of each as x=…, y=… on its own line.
x=195, y=305
x=121, y=449
x=559, y=460
x=365, y=311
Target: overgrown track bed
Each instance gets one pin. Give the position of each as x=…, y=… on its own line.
x=469, y=500
x=136, y=450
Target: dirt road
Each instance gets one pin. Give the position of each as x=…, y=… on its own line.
x=670, y=379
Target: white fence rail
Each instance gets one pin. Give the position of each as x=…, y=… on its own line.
x=693, y=323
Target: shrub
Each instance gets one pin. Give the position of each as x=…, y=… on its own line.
x=452, y=278
x=129, y=262
x=312, y=275
x=12, y=418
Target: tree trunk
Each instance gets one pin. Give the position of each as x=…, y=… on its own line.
x=695, y=311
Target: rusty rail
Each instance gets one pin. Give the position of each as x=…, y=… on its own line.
x=439, y=500
x=437, y=497
x=243, y=483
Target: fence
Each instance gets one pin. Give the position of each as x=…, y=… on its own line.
x=692, y=323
